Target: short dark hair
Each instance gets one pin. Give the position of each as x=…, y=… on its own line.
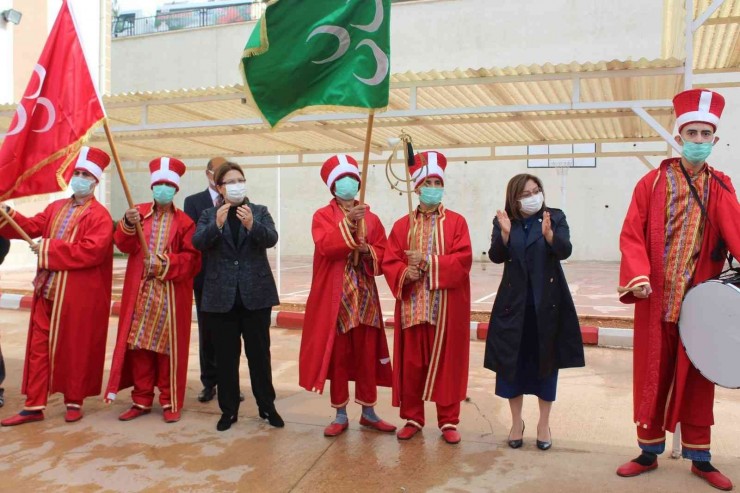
x=514, y=189
x=224, y=168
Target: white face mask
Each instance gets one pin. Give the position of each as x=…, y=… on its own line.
x=532, y=204
x=235, y=192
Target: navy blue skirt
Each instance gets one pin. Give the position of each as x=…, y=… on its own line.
x=527, y=380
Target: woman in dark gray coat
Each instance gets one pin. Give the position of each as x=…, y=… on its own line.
x=238, y=292
x=534, y=328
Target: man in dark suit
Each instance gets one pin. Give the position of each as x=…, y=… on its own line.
x=194, y=206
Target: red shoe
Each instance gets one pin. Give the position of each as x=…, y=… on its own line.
x=73, y=414
x=451, y=436
x=715, y=478
x=133, y=413
x=335, y=429
x=407, y=432
x=171, y=416
x=379, y=425
x=20, y=419
x=631, y=469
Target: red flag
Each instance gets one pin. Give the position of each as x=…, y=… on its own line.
x=57, y=114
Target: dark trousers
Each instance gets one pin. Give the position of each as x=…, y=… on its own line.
x=228, y=329
x=206, y=350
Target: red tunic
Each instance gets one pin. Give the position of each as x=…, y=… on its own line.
x=183, y=263
x=334, y=242
x=81, y=305
x=449, y=272
x=642, y=243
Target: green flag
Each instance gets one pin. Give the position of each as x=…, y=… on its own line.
x=318, y=53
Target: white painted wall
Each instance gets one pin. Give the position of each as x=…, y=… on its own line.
x=435, y=35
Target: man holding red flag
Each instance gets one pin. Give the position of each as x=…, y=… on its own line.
x=65, y=351
x=59, y=110
x=427, y=266
x=156, y=305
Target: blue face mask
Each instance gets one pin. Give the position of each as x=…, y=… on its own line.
x=163, y=194
x=346, y=188
x=696, y=153
x=82, y=187
x=431, y=196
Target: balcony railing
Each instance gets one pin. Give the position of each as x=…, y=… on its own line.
x=130, y=25
x=125, y=25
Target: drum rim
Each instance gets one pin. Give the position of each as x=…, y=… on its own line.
x=681, y=331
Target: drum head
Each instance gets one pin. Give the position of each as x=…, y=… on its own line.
x=710, y=331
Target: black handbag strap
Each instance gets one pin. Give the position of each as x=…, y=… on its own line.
x=721, y=244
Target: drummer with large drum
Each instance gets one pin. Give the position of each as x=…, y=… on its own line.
x=683, y=218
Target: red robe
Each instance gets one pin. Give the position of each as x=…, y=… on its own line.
x=183, y=262
x=642, y=243
x=82, y=301
x=449, y=271
x=334, y=242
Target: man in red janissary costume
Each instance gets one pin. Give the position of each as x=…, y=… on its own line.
x=157, y=300
x=343, y=337
x=65, y=351
x=682, y=219
x=427, y=266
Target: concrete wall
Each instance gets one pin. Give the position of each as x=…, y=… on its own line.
x=434, y=35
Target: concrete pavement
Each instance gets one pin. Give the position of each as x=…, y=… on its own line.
x=591, y=432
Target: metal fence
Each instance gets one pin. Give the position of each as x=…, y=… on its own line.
x=128, y=24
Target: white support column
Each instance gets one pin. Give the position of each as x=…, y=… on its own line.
x=648, y=118
x=688, y=67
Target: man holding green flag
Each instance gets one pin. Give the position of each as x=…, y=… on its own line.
x=321, y=53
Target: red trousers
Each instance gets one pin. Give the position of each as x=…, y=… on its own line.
x=353, y=357
x=693, y=437
x=150, y=369
x=38, y=367
x=417, y=350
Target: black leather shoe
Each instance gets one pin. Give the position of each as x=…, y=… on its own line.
x=273, y=418
x=207, y=394
x=517, y=443
x=225, y=422
x=545, y=445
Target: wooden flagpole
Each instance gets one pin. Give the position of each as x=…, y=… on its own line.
x=363, y=177
x=16, y=226
x=124, y=184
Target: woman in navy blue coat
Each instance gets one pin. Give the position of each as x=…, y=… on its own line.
x=534, y=328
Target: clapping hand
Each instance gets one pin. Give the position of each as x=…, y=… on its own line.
x=244, y=213
x=547, y=231
x=221, y=215
x=505, y=224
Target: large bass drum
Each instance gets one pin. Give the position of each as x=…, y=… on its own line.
x=710, y=328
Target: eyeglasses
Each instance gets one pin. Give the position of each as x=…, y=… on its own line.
x=234, y=182
x=529, y=193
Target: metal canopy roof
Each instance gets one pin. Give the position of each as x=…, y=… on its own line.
x=513, y=106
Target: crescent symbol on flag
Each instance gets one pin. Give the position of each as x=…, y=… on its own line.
x=41, y=71
x=381, y=60
x=342, y=36
x=377, y=21
x=21, y=123
x=46, y=103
